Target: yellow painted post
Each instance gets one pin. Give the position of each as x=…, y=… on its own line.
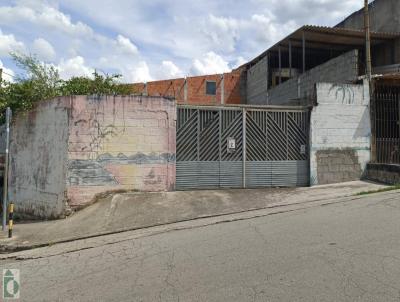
x=10, y=220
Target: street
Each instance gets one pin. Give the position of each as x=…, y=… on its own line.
x=346, y=251
x=190, y=151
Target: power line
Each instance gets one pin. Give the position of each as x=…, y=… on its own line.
x=2, y=72
x=8, y=74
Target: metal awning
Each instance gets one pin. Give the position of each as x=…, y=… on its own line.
x=321, y=37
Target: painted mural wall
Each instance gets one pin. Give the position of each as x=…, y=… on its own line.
x=340, y=133
x=67, y=150
x=120, y=143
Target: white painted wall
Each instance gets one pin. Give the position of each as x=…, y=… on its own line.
x=341, y=121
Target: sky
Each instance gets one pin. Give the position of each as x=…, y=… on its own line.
x=146, y=40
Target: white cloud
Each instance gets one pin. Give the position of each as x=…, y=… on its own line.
x=268, y=30
x=138, y=73
x=43, y=49
x=125, y=45
x=169, y=70
x=239, y=62
x=74, y=67
x=222, y=32
x=211, y=63
x=56, y=20
x=8, y=74
x=8, y=44
x=174, y=38
x=45, y=16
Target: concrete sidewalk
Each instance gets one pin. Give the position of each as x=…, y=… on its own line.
x=130, y=211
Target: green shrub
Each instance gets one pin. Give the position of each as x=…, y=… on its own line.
x=43, y=82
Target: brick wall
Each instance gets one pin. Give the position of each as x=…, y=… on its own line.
x=196, y=89
x=340, y=133
x=120, y=143
x=343, y=69
x=167, y=88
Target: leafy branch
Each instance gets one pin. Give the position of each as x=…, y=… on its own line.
x=42, y=82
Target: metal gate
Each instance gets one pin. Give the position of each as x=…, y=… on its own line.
x=387, y=124
x=241, y=147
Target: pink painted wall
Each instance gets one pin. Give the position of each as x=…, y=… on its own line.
x=120, y=143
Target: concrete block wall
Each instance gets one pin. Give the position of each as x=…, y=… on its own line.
x=342, y=69
x=38, y=160
x=296, y=91
x=3, y=139
x=340, y=138
x=256, y=81
x=384, y=17
x=120, y=143
x=67, y=150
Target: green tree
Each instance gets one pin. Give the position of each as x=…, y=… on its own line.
x=42, y=82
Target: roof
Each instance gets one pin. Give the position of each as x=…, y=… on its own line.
x=322, y=37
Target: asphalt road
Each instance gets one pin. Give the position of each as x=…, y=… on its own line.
x=341, y=252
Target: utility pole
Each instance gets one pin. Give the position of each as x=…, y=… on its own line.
x=371, y=83
x=367, y=41
x=6, y=170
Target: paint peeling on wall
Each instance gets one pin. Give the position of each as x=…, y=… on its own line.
x=122, y=143
x=67, y=150
x=38, y=160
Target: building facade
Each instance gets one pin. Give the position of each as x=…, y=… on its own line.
x=301, y=113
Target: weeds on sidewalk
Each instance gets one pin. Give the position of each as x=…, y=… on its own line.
x=392, y=188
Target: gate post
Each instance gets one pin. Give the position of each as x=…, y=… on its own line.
x=244, y=145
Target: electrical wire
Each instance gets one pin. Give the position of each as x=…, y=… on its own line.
x=8, y=74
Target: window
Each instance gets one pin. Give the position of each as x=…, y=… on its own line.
x=211, y=88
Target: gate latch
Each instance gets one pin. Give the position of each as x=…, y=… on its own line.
x=231, y=144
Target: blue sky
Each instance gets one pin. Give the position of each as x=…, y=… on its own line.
x=154, y=39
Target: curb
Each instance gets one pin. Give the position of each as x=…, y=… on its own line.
x=7, y=249
x=220, y=218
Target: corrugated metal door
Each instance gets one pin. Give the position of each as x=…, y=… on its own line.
x=202, y=157
x=276, y=148
x=212, y=143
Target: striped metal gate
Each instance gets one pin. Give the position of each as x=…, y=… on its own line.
x=387, y=124
x=241, y=147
